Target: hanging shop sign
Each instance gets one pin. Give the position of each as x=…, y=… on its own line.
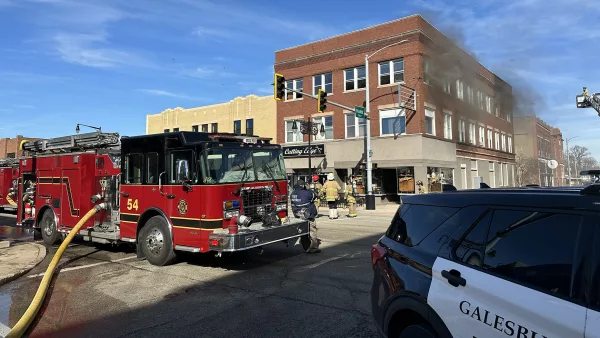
x=303, y=151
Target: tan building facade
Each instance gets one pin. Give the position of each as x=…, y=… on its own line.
x=255, y=115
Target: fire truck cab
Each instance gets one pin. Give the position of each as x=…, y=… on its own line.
x=179, y=191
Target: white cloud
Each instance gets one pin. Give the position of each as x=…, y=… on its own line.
x=30, y=77
x=160, y=92
x=210, y=33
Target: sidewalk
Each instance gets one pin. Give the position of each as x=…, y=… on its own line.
x=18, y=259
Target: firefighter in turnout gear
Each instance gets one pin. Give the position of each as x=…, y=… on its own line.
x=349, y=194
x=332, y=189
x=317, y=187
x=303, y=204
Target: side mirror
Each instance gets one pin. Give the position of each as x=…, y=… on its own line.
x=183, y=171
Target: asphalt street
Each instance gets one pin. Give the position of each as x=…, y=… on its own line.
x=104, y=291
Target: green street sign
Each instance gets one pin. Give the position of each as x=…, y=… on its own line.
x=360, y=111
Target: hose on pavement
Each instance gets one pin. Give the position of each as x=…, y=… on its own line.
x=19, y=329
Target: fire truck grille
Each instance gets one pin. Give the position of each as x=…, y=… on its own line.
x=257, y=203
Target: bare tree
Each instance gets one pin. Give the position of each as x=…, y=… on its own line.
x=588, y=163
x=527, y=170
x=576, y=160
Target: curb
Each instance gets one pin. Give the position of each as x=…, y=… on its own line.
x=41, y=255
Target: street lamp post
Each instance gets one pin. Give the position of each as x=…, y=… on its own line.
x=307, y=129
x=568, y=159
x=370, y=199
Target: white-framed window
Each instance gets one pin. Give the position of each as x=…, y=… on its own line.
x=480, y=100
x=390, y=122
x=481, y=136
x=510, y=144
x=497, y=139
x=355, y=78
x=488, y=104
x=327, y=122
x=503, y=138
x=461, y=131
x=290, y=135
x=295, y=85
x=355, y=127
x=497, y=111
x=470, y=97
x=447, y=125
x=447, y=86
x=427, y=71
x=508, y=118
x=323, y=81
x=490, y=138
x=429, y=121
x=391, y=68
x=501, y=174
x=472, y=136
x=459, y=89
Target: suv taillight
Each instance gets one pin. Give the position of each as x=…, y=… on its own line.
x=377, y=252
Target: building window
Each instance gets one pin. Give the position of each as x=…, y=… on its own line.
x=427, y=71
x=508, y=118
x=195, y=129
x=510, y=145
x=461, y=131
x=387, y=68
x=175, y=129
x=355, y=127
x=503, y=142
x=497, y=112
x=481, y=136
x=448, y=125
x=447, y=86
x=290, y=135
x=490, y=138
x=205, y=128
x=497, y=139
x=250, y=127
x=295, y=85
x=470, y=97
x=355, y=78
x=166, y=130
x=322, y=81
x=472, y=136
x=480, y=100
x=11, y=155
x=488, y=104
x=459, y=89
x=327, y=122
x=214, y=127
x=237, y=127
x=429, y=121
x=392, y=122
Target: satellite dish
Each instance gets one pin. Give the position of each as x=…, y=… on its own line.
x=552, y=164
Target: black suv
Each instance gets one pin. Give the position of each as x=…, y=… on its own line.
x=521, y=262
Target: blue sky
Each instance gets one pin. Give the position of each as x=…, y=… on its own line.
x=109, y=63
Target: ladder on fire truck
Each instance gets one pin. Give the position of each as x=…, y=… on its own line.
x=586, y=100
x=9, y=162
x=73, y=143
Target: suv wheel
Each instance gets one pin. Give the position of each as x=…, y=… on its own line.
x=418, y=331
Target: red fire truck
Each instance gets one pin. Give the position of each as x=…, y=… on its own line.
x=179, y=191
x=9, y=174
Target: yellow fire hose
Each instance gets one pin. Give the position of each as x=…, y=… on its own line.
x=19, y=329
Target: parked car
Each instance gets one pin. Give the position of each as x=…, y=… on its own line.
x=487, y=263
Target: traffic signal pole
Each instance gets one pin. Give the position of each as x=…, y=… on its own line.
x=316, y=98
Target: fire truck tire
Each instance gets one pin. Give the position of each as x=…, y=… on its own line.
x=156, y=242
x=305, y=242
x=48, y=227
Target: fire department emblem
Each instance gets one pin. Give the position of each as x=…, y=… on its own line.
x=182, y=207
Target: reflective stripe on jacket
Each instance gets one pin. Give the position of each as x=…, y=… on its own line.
x=331, y=189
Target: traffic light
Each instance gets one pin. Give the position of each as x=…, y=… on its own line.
x=279, y=84
x=322, y=100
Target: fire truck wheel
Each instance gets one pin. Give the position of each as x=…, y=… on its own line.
x=305, y=241
x=48, y=228
x=156, y=242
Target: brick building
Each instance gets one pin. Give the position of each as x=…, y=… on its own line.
x=9, y=147
x=251, y=114
x=538, y=140
x=461, y=128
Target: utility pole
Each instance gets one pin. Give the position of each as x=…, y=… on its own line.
x=568, y=160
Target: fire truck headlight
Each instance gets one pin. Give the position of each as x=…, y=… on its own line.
x=243, y=220
x=229, y=214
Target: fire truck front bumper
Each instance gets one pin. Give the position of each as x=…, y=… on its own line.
x=256, y=237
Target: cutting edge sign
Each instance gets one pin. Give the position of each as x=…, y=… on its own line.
x=304, y=151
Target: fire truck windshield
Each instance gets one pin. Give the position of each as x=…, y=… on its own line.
x=241, y=165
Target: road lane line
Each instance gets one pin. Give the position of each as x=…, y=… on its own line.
x=85, y=266
x=319, y=263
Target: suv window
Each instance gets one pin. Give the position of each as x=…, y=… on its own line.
x=535, y=249
x=413, y=223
